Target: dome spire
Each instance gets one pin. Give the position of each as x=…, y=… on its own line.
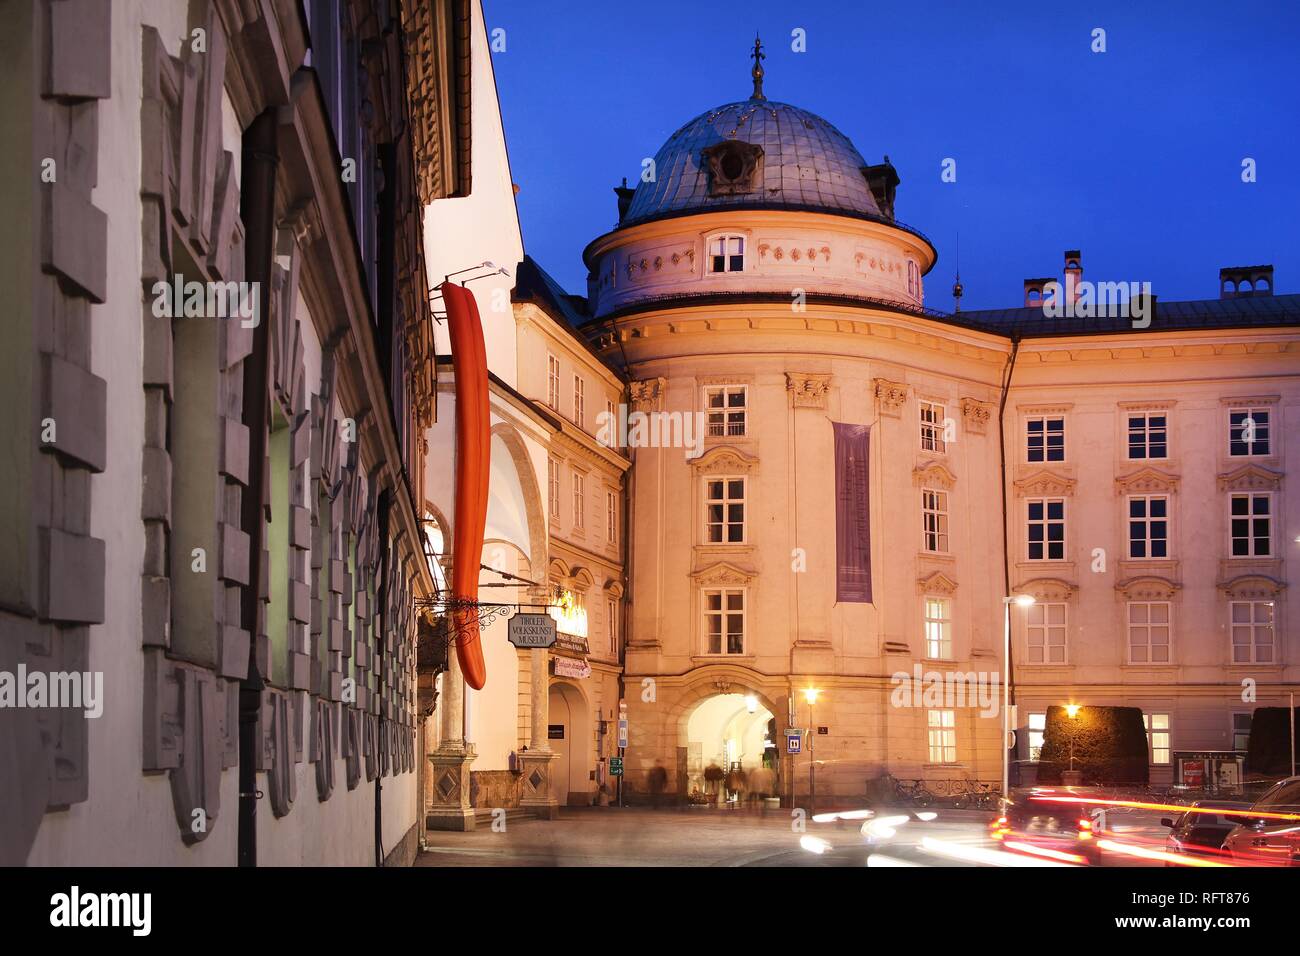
x=758, y=56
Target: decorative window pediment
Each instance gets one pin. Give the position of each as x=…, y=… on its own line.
x=1047, y=589
x=936, y=582
x=1148, y=588
x=614, y=588
x=1044, y=483
x=724, y=460
x=1250, y=478
x=890, y=395
x=722, y=574
x=1248, y=587
x=735, y=167
x=934, y=475
x=1145, y=480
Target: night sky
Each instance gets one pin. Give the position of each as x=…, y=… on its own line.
x=1133, y=155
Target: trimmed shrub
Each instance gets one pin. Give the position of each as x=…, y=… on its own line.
x=1269, y=751
x=1110, y=745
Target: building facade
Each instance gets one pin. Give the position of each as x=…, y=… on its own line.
x=224, y=370
x=759, y=283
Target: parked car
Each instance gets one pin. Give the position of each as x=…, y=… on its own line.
x=1055, y=823
x=1272, y=838
x=1198, y=833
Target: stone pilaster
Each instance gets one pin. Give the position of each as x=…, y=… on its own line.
x=448, y=806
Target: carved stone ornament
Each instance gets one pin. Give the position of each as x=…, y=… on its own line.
x=976, y=415
x=807, y=389
x=735, y=167
x=1250, y=478
x=1148, y=588
x=934, y=475
x=722, y=574
x=724, y=460
x=648, y=394
x=1249, y=587
x=1145, y=481
x=936, y=582
x=1044, y=482
x=891, y=396
x=1047, y=589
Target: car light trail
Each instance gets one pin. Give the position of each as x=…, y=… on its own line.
x=879, y=859
x=814, y=844
x=1173, y=807
x=1146, y=853
x=972, y=854
x=1043, y=851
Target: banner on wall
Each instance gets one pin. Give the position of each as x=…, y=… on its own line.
x=852, y=515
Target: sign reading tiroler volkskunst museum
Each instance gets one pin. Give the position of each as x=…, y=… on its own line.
x=531, y=630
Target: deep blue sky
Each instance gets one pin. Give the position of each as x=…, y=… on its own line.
x=1133, y=155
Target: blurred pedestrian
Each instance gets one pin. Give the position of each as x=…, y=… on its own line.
x=657, y=779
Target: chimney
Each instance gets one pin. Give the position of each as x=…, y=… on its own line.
x=1236, y=282
x=1034, y=292
x=625, y=194
x=882, y=180
x=1073, y=273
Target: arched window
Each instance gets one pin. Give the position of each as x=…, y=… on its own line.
x=913, y=279
x=727, y=254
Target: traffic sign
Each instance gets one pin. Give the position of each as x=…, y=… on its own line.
x=616, y=766
x=622, y=733
x=793, y=740
x=531, y=630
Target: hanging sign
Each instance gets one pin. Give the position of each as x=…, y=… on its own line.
x=531, y=630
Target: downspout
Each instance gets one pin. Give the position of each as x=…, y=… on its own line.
x=381, y=517
x=625, y=617
x=1006, y=544
x=257, y=209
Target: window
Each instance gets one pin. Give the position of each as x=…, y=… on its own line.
x=942, y=726
x=1046, y=633
x=1241, y=731
x=1248, y=432
x=611, y=517
x=938, y=628
x=579, y=499
x=724, y=621
x=611, y=420
x=1037, y=730
x=1046, y=529
x=611, y=615
x=727, y=254
x=553, y=382
x=1045, y=439
x=726, y=407
x=932, y=424
x=1157, y=726
x=1148, y=632
x=1148, y=436
x=934, y=514
x=913, y=279
x=725, y=510
x=1251, y=526
x=553, y=483
x=1148, y=526
x=1252, y=632
x=579, y=402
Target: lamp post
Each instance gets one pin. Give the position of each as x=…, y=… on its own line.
x=1022, y=600
x=810, y=695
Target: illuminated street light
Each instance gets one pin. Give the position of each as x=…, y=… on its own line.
x=1020, y=600
x=751, y=703
x=1072, y=711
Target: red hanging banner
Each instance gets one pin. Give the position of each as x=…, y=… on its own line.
x=473, y=456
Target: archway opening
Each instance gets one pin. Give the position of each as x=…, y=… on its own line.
x=570, y=735
x=732, y=757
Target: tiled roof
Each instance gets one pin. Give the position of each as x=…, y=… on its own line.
x=1265, y=311
x=807, y=164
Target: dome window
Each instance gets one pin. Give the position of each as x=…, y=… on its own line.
x=727, y=254
x=735, y=167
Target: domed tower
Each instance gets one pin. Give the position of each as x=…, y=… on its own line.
x=764, y=300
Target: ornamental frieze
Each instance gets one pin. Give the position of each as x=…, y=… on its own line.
x=807, y=389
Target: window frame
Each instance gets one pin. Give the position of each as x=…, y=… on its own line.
x=1250, y=517
x=611, y=517
x=1254, y=627
x=1046, y=434
x=936, y=618
x=723, y=612
x=579, y=401
x=1167, y=731
x=1233, y=731
x=1148, y=625
x=1250, y=413
x=552, y=381
x=932, y=429
x=1039, y=732
x=553, y=486
x=941, y=530
x=1129, y=432
x=1147, y=520
x=726, y=411
x=943, y=753
x=1047, y=628
x=727, y=256
x=578, y=493
x=726, y=501
x=1046, y=521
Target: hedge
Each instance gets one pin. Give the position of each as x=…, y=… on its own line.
x=1110, y=745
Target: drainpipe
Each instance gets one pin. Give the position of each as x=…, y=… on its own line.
x=257, y=209
x=1006, y=545
x=381, y=516
x=626, y=616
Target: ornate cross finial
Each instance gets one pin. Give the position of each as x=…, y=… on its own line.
x=758, y=56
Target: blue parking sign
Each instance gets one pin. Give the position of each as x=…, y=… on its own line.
x=793, y=741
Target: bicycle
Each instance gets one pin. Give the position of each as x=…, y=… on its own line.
x=912, y=791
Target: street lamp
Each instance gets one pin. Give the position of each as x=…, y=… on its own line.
x=1020, y=600
x=810, y=695
x=1072, y=711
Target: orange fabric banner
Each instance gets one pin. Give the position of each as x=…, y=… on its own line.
x=473, y=457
